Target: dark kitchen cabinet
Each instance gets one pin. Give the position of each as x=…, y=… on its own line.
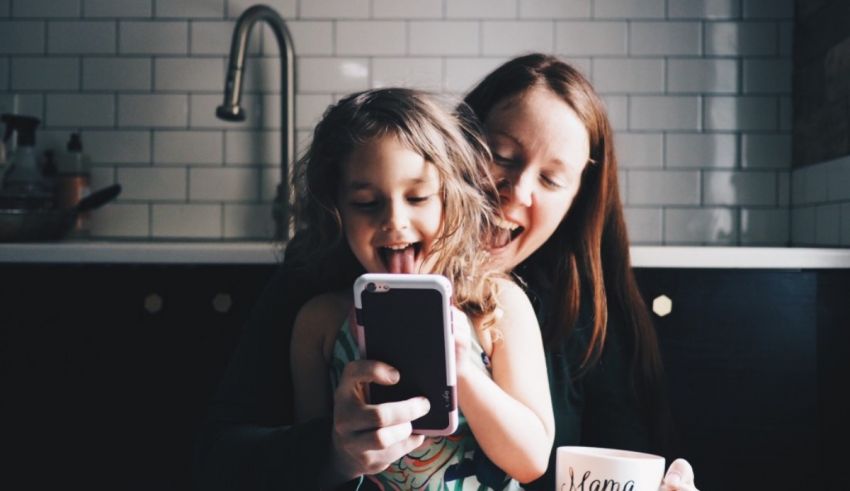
x=105, y=371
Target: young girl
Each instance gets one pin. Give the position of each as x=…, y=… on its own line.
x=393, y=182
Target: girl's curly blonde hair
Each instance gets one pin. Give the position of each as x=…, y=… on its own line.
x=448, y=139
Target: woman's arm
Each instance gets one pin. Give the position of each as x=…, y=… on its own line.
x=511, y=414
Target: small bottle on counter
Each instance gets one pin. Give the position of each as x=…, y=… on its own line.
x=73, y=180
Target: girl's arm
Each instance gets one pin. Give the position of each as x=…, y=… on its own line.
x=511, y=414
x=313, y=335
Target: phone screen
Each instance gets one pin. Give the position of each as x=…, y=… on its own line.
x=404, y=327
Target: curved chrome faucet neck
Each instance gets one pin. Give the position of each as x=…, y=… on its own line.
x=231, y=110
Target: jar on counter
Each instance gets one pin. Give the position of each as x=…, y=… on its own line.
x=73, y=181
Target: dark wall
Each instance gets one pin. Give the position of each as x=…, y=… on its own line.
x=821, y=81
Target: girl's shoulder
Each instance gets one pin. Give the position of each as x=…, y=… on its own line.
x=319, y=320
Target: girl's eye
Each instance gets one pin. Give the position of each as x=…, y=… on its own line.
x=364, y=205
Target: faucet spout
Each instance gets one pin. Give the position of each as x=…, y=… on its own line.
x=231, y=109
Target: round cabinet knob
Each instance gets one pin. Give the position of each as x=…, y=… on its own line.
x=662, y=305
x=153, y=303
x=222, y=303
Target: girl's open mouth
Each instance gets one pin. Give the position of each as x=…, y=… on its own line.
x=400, y=258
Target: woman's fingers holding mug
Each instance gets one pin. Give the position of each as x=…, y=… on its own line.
x=679, y=477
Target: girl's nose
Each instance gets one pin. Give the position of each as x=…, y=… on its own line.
x=395, y=217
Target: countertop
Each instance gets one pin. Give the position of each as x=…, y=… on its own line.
x=264, y=252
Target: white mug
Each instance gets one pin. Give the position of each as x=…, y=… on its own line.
x=607, y=469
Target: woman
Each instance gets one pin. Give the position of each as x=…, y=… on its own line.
x=564, y=236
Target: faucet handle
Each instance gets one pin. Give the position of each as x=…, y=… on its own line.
x=230, y=112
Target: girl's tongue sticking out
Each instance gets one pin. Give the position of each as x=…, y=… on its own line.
x=399, y=259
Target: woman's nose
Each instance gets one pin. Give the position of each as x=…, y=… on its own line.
x=518, y=189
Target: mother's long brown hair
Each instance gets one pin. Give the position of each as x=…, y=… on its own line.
x=590, y=246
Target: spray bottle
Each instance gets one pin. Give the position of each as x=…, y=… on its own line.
x=23, y=177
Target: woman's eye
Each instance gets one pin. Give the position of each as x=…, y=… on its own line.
x=503, y=161
x=418, y=199
x=550, y=182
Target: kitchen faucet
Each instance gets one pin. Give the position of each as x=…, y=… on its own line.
x=230, y=110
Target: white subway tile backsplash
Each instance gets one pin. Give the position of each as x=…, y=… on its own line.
x=702, y=75
x=693, y=226
x=323, y=75
x=243, y=221
x=481, y=9
x=786, y=38
x=407, y=9
x=765, y=227
x=47, y=74
x=591, y=38
x=739, y=188
x=117, y=8
x=117, y=147
x=783, y=187
x=29, y=104
x=828, y=225
x=554, y=9
x=186, y=221
x=663, y=85
x=803, y=223
x=444, y=38
x=121, y=220
x=421, y=73
x=617, y=107
x=628, y=75
x=512, y=38
x=371, y=38
x=462, y=74
x=838, y=179
x=704, y=9
x=81, y=110
x=286, y=8
x=152, y=183
x=118, y=74
x=153, y=110
x=189, y=8
x=640, y=150
x=768, y=76
x=701, y=150
x=189, y=74
x=334, y=9
x=81, y=37
x=664, y=187
x=845, y=224
x=188, y=147
x=18, y=37
x=665, y=38
x=213, y=38
x=309, y=110
x=155, y=37
x=308, y=37
x=224, y=184
x=645, y=225
x=664, y=112
x=740, y=38
x=741, y=113
x=251, y=147
x=628, y=9
x=45, y=8
x=765, y=150
x=768, y=9
x=4, y=74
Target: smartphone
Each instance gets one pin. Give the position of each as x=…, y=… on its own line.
x=405, y=320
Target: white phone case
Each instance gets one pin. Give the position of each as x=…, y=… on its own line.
x=413, y=345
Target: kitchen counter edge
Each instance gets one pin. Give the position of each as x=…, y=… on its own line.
x=266, y=252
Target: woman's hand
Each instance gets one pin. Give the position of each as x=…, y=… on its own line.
x=680, y=477
x=367, y=438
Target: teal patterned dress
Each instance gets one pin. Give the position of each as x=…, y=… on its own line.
x=453, y=462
